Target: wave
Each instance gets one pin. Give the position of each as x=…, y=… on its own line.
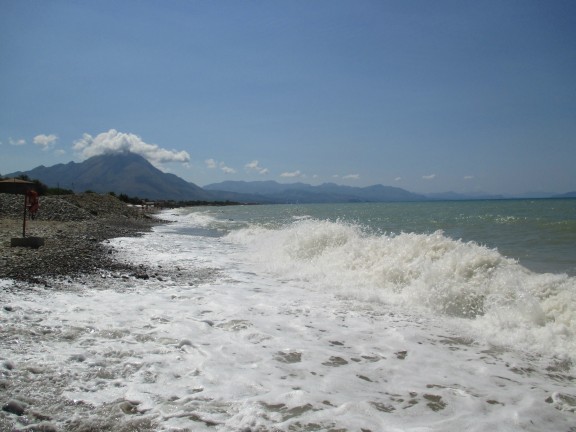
x=495, y=296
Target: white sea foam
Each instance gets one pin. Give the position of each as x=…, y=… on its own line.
x=311, y=326
x=501, y=300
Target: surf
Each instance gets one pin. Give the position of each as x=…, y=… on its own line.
x=495, y=297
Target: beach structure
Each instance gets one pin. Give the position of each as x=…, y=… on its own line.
x=16, y=186
x=31, y=205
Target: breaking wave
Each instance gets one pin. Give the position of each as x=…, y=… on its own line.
x=495, y=296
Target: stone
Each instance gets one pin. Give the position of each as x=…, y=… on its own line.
x=78, y=357
x=15, y=407
x=128, y=407
x=31, y=242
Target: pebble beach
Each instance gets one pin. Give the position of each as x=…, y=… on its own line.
x=74, y=228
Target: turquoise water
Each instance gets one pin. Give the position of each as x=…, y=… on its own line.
x=540, y=234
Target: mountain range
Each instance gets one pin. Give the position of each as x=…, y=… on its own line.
x=325, y=193
x=131, y=174
x=126, y=173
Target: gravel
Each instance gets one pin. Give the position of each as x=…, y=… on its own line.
x=75, y=229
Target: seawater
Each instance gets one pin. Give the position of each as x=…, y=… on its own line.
x=541, y=234
x=443, y=316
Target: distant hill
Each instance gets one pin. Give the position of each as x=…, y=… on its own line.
x=131, y=174
x=272, y=191
x=454, y=196
x=567, y=195
x=122, y=173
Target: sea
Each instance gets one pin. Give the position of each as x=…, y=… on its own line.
x=422, y=316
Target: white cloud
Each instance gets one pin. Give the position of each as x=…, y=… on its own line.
x=429, y=177
x=118, y=142
x=291, y=174
x=351, y=176
x=227, y=169
x=398, y=179
x=18, y=142
x=213, y=164
x=468, y=177
x=60, y=152
x=45, y=141
x=255, y=166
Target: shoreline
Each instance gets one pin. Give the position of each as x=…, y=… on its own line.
x=74, y=245
x=111, y=352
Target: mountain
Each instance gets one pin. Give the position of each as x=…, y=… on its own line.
x=131, y=174
x=122, y=173
x=272, y=191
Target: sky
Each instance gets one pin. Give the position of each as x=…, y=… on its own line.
x=430, y=96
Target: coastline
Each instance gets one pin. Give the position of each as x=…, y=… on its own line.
x=75, y=238
x=214, y=340
x=76, y=255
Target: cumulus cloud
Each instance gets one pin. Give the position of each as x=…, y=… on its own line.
x=45, y=141
x=351, y=177
x=212, y=164
x=296, y=173
x=429, y=177
x=117, y=142
x=17, y=142
x=255, y=166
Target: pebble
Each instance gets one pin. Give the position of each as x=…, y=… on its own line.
x=77, y=357
x=15, y=407
x=128, y=407
x=185, y=342
x=41, y=427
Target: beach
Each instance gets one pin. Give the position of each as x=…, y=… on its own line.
x=73, y=230
x=76, y=232
x=281, y=318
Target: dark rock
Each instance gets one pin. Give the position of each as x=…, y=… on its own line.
x=15, y=407
x=78, y=357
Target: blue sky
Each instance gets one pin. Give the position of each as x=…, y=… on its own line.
x=430, y=96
